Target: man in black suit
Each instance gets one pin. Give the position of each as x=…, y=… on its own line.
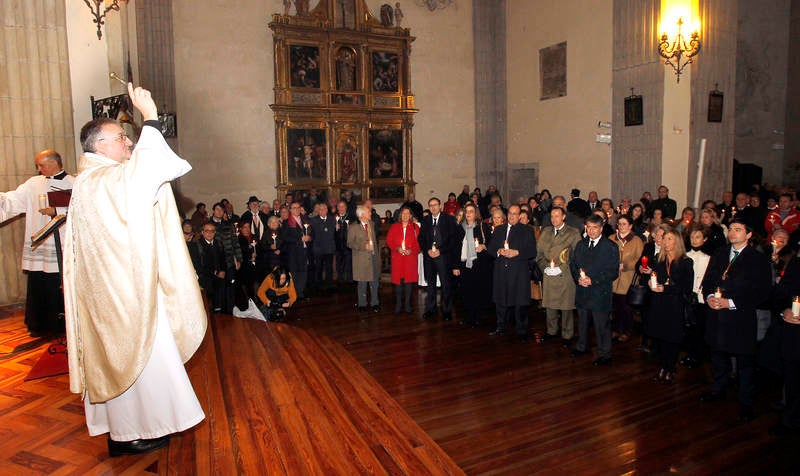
x=323, y=229
x=344, y=255
x=514, y=245
x=594, y=266
x=209, y=263
x=437, y=241
x=414, y=206
x=577, y=205
x=256, y=218
x=736, y=281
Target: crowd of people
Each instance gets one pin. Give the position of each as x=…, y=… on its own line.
x=709, y=284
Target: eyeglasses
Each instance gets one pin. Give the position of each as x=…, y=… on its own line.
x=209, y=231
x=121, y=137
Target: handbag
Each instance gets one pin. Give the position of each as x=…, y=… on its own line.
x=638, y=293
x=536, y=291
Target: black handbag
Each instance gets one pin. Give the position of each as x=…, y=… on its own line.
x=638, y=293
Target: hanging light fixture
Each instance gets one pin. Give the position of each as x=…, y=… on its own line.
x=96, y=6
x=679, y=52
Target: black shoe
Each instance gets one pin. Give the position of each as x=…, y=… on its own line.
x=782, y=430
x=429, y=314
x=524, y=338
x=135, y=447
x=548, y=337
x=600, y=361
x=712, y=397
x=497, y=332
x=409, y=310
x=669, y=378
x=446, y=316
x=362, y=308
x=746, y=413
x=376, y=308
x=578, y=353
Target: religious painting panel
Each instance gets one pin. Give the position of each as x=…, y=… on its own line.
x=385, y=153
x=348, y=154
x=385, y=71
x=307, y=158
x=304, y=66
x=347, y=99
x=634, y=110
x=352, y=193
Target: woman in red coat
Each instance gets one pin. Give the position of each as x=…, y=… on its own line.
x=451, y=206
x=402, y=240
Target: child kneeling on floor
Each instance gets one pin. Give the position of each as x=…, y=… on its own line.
x=277, y=294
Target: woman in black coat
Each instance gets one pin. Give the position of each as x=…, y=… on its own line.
x=674, y=275
x=716, y=234
x=474, y=264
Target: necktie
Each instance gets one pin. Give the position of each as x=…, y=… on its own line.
x=434, y=222
x=555, y=232
x=591, y=244
x=735, y=255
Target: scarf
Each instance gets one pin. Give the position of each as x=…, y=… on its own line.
x=468, y=253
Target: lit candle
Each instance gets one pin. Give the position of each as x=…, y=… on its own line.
x=552, y=264
x=582, y=273
x=646, y=234
x=305, y=226
x=477, y=243
x=274, y=236
x=645, y=260
x=433, y=246
x=653, y=281
x=796, y=306
x=718, y=293
x=505, y=244
x=42, y=200
x=403, y=245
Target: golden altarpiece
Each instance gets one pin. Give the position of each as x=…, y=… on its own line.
x=343, y=107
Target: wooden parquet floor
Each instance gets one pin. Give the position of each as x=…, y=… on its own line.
x=281, y=398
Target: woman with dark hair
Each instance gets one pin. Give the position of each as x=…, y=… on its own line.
x=546, y=201
x=671, y=282
x=638, y=220
x=277, y=293
x=474, y=267
x=402, y=240
x=695, y=334
x=630, y=250
x=451, y=206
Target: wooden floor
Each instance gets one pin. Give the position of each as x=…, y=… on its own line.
x=388, y=394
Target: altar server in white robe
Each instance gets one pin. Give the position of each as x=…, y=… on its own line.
x=133, y=308
x=44, y=306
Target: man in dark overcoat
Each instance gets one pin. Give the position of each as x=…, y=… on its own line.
x=323, y=229
x=737, y=280
x=344, y=256
x=514, y=245
x=437, y=242
x=296, y=238
x=594, y=266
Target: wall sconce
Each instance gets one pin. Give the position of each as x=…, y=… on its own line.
x=99, y=18
x=678, y=49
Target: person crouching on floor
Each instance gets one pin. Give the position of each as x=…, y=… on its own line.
x=277, y=294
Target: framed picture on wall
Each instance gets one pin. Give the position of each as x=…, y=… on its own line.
x=385, y=153
x=634, y=110
x=385, y=71
x=387, y=193
x=715, y=100
x=307, y=160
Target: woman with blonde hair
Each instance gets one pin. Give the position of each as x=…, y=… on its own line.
x=671, y=281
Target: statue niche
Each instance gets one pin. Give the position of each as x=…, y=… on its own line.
x=346, y=63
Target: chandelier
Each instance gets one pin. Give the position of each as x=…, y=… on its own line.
x=99, y=17
x=678, y=52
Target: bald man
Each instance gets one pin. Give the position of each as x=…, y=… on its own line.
x=44, y=307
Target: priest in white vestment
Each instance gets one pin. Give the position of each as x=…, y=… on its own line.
x=44, y=305
x=133, y=307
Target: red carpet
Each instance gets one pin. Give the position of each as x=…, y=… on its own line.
x=52, y=362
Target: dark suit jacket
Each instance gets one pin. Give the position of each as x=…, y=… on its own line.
x=342, y=223
x=602, y=265
x=247, y=217
x=324, y=235
x=512, y=276
x=748, y=284
x=208, y=259
x=295, y=255
x=788, y=287
x=446, y=241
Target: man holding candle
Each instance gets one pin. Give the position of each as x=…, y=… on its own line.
x=362, y=238
x=295, y=239
x=736, y=282
x=514, y=245
x=555, y=247
x=44, y=305
x=786, y=302
x=594, y=266
x=437, y=241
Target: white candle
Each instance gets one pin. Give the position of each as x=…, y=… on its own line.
x=433, y=247
x=796, y=306
x=718, y=293
x=403, y=245
x=553, y=264
x=42, y=200
x=505, y=244
x=582, y=273
x=477, y=243
x=653, y=281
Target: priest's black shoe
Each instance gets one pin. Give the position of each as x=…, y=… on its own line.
x=746, y=413
x=600, y=361
x=446, y=316
x=497, y=332
x=376, y=308
x=135, y=447
x=578, y=353
x=712, y=397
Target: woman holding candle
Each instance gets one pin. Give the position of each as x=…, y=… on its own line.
x=639, y=223
x=672, y=288
x=630, y=250
x=247, y=270
x=268, y=251
x=402, y=240
x=474, y=264
x=649, y=256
